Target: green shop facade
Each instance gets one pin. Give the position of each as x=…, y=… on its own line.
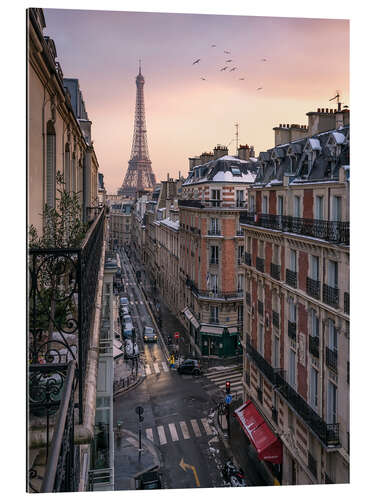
x=214, y=340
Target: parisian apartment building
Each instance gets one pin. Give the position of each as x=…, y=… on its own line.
x=296, y=368
x=120, y=217
x=70, y=321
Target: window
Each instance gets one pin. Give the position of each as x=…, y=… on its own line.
x=214, y=314
x=336, y=208
x=214, y=226
x=293, y=261
x=332, y=273
x=214, y=256
x=236, y=171
x=292, y=368
x=260, y=339
x=215, y=196
x=331, y=403
x=314, y=324
x=332, y=335
x=276, y=254
x=264, y=205
x=252, y=204
x=280, y=205
x=51, y=166
x=213, y=283
x=240, y=314
x=261, y=249
x=319, y=207
x=239, y=254
x=240, y=283
x=297, y=206
x=314, y=377
x=67, y=169
x=292, y=311
x=240, y=200
x=315, y=267
x=276, y=352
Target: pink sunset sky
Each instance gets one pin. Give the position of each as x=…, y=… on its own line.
x=307, y=61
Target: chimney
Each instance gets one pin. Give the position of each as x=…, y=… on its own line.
x=220, y=151
x=205, y=158
x=252, y=152
x=243, y=152
x=320, y=121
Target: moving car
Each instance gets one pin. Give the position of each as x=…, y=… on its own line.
x=190, y=367
x=149, y=334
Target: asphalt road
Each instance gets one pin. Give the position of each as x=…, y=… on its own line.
x=176, y=410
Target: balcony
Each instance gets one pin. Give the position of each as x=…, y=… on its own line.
x=314, y=345
x=312, y=464
x=247, y=259
x=313, y=288
x=275, y=271
x=259, y=264
x=331, y=295
x=331, y=359
x=214, y=232
x=346, y=303
x=213, y=204
x=292, y=328
x=62, y=293
x=291, y=278
x=239, y=232
x=275, y=319
x=332, y=231
x=214, y=294
x=260, y=308
x=327, y=433
x=214, y=262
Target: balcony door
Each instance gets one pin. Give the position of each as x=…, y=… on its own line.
x=215, y=197
x=331, y=403
x=240, y=199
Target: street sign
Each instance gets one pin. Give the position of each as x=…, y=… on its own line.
x=228, y=398
x=139, y=410
x=176, y=335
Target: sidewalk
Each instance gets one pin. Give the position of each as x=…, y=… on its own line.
x=129, y=463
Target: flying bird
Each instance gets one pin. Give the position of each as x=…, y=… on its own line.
x=260, y=88
x=226, y=51
x=241, y=78
x=202, y=78
x=233, y=69
x=229, y=60
x=223, y=69
x=264, y=59
x=197, y=61
x=213, y=45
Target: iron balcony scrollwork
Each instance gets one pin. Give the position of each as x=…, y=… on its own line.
x=275, y=271
x=291, y=278
x=292, y=329
x=314, y=345
x=259, y=264
x=331, y=295
x=313, y=287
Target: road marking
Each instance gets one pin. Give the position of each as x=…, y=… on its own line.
x=173, y=431
x=195, y=427
x=133, y=441
x=150, y=434
x=148, y=370
x=156, y=368
x=161, y=433
x=206, y=426
x=184, y=430
x=185, y=466
x=165, y=367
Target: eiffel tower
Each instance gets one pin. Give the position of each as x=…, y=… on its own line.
x=139, y=176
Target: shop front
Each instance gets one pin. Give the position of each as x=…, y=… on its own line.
x=268, y=446
x=218, y=341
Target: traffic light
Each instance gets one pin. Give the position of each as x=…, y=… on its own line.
x=227, y=386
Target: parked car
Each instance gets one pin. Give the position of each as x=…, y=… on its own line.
x=149, y=481
x=124, y=301
x=190, y=367
x=124, y=310
x=149, y=334
x=127, y=332
x=126, y=319
x=130, y=350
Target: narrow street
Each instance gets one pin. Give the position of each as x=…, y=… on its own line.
x=178, y=409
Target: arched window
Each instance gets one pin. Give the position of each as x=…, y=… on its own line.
x=67, y=168
x=51, y=166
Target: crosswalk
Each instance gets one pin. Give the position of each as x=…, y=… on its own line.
x=179, y=431
x=219, y=376
x=156, y=368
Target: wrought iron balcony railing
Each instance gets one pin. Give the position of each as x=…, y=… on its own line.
x=259, y=264
x=333, y=231
x=313, y=287
x=327, y=433
x=331, y=295
x=214, y=232
x=218, y=204
x=346, y=303
x=275, y=271
x=292, y=328
x=214, y=262
x=247, y=259
x=62, y=289
x=314, y=345
x=275, y=319
x=291, y=278
x=331, y=359
x=312, y=464
x=214, y=293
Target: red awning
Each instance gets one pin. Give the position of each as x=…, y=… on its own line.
x=268, y=446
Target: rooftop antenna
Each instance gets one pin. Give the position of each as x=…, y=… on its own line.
x=236, y=125
x=139, y=66
x=337, y=96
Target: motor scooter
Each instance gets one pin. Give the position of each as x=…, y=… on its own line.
x=233, y=475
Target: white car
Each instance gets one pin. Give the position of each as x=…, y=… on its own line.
x=130, y=352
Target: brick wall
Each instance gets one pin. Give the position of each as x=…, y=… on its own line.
x=268, y=260
x=308, y=201
x=272, y=203
x=303, y=269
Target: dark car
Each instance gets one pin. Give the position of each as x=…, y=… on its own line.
x=190, y=367
x=149, y=481
x=149, y=334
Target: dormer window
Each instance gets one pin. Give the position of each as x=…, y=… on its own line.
x=235, y=171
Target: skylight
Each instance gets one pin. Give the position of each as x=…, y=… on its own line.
x=235, y=170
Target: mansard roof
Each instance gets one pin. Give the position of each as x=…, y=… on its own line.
x=310, y=159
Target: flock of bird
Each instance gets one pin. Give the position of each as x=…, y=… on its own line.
x=227, y=61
